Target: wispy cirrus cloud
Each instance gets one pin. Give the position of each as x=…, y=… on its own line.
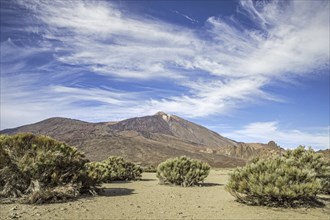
x=40, y=102
x=186, y=16
x=218, y=68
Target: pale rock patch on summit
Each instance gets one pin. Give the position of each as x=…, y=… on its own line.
x=165, y=116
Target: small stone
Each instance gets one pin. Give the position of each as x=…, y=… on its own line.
x=38, y=214
x=13, y=215
x=14, y=208
x=62, y=209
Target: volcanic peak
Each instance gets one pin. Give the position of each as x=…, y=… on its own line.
x=164, y=115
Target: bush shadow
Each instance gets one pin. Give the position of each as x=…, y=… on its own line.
x=210, y=184
x=116, y=192
x=317, y=204
x=147, y=180
x=120, y=181
x=312, y=203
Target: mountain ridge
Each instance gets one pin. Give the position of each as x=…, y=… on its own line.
x=148, y=140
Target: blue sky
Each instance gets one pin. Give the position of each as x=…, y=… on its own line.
x=252, y=71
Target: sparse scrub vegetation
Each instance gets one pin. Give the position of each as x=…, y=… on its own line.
x=120, y=169
x=97, y=171
x=39, y=169
x=293, y=179
x=182, y=171
x=113, y=169
x=308, y=159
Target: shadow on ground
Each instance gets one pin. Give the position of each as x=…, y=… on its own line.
x=116, y=192
x=210, y=184
x=147, y=180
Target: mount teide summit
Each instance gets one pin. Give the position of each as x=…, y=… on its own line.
x=149, y=140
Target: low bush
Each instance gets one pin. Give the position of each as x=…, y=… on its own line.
x=97, y=171
x=120, y=169
x=38, y=169
x=289, y=180
x=308, y=159
x=182, y=171
x=113, y=169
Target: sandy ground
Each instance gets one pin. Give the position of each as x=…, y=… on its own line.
x=147, y=199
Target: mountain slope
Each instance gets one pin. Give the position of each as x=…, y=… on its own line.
x=148, y=140
x=163, y=123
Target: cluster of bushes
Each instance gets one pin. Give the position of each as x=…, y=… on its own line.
x=182, y=171
x=114, y=169
x=292, y=179
x=39, y=169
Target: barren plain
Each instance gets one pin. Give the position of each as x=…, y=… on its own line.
x=146, y=199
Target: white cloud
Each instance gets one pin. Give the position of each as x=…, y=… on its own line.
x=266, y=131
x=12, y=53
x=186, y=16
x=99, y=37
x=288, y=45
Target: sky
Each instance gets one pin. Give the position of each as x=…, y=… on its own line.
x=253, y=71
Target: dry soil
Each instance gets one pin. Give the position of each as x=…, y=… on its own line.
x=146, y=199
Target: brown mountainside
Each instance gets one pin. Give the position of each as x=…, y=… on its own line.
x=148, y=140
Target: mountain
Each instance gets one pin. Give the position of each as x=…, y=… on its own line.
x=149, y=140
x=326, y=153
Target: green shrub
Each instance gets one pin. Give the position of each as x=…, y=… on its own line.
x=290, y=180
x=39, y=169
x=97, y=171
x=113, y=169
x=325, y=179
x=303, y=158
x=182, y=171
x=120, y=169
